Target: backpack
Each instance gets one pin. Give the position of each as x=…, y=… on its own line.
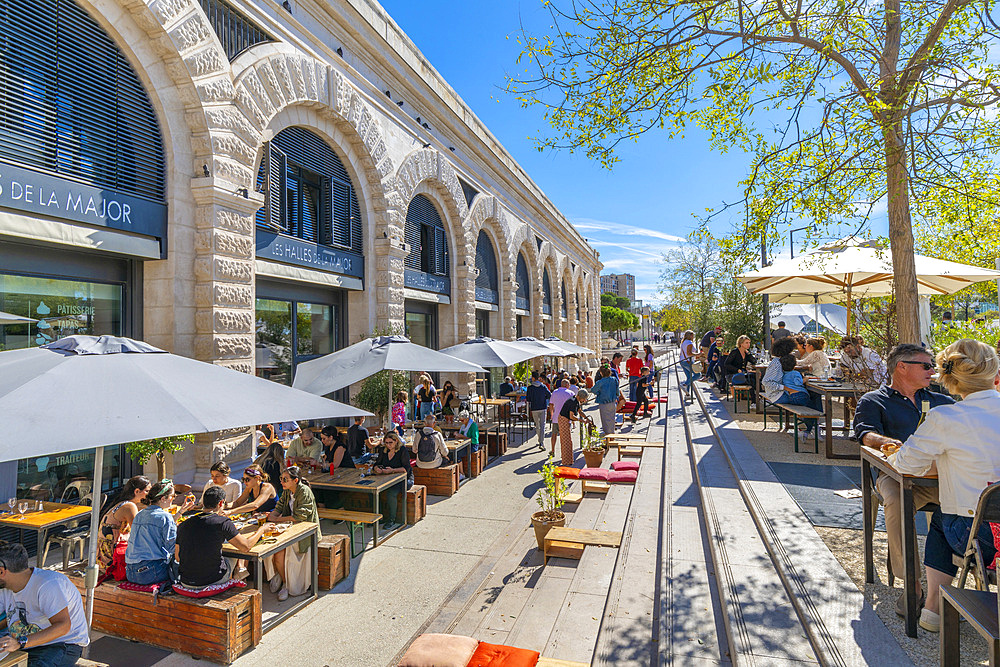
x=426, y=448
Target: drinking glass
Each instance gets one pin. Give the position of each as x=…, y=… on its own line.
x=11, y=502
x=22, y=507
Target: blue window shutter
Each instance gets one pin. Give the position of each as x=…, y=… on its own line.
x=275, y=165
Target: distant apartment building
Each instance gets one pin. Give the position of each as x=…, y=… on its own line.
x=622, y=284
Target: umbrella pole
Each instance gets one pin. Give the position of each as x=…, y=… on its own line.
x=90, y=579
x=388, y=425
x=848, y=309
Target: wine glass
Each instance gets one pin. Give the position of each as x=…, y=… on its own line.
x=22, y=507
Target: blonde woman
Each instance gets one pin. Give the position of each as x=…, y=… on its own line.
x=965, y=465
x=688, y=353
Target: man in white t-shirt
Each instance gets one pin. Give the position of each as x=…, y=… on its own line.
x=42, y=610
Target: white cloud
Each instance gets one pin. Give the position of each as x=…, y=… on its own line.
x=619, y=229
x=638, y=248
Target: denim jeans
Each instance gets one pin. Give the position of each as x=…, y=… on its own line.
x=633, y=380
x=426, y=408
x=54, y=655
x=689, y=375
x=948, y=534
x=148, y=572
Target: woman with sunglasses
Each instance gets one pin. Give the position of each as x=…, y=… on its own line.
x=393, y=458
x=258, y=494
x=288, y=570
x=117, y=522
x=150, y=550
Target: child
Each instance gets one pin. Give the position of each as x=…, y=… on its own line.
x=642, y=392
x=399, y=412
x=795, y=390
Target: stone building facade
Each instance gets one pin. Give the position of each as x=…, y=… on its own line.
x=224, y=79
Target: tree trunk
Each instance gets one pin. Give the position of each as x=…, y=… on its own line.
x=901, y=236
x=161, y=466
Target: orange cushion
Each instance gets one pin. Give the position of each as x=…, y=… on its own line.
x=436, y=650
x=494, y=655
x=566, y=472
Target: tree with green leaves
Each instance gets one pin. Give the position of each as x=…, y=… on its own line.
x=858, y=102
x=157, y=448
x=691, y=276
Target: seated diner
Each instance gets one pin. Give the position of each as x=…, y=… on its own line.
x=335, y=452
x=305, y=449
x=219, y=476
x=259, y=495
x=288, y=570
x=150, y=554
x=468, y=428
x=428, y=445
x=116, y=524
x=392, y=459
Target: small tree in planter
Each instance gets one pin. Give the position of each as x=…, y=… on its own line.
x=550, y=498
x=158, y=447
x=593, y=447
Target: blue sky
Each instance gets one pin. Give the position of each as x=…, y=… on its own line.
x=632, y=214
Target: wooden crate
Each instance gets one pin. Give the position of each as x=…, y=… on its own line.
x=219, y=628
x=478, y=462
x=334, y=560
x=416, y=504
x=441, y=481
x=496, y=443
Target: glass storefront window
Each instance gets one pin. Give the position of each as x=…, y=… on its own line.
x=62, y=308
x=418, y=328
x=67, y=478
x=313, y=334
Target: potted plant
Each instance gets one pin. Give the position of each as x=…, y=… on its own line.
x=550, y=499
x=593, y=448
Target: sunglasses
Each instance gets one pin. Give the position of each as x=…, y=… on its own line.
x=926, y=365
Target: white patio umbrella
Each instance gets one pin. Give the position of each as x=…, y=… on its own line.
x=855, y=268
x=543, y=348
x=98, y=391
x=572, y=348
x=491, y=353
x=355, y=363
x=8, y=318
x=798, y=316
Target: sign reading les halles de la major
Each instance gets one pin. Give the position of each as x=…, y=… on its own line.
x=34, y=192
x=291, y=250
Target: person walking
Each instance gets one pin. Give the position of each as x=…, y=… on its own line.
x=538, y=397
x=688, y=354
x=634, y=369
x=606, y=394
x=641, y=393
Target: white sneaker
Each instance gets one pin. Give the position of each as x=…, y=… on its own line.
x=930, y=621
x=275, y=583
x=282, y=595
x=241, y=574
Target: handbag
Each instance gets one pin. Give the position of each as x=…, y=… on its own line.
x=455, y=403
x=698, y=366
x=738, y=378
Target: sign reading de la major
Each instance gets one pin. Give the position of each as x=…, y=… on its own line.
x=34, y=192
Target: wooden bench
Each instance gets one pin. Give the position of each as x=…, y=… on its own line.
x=416, y=503
x=594, y=486
x=334, y=563
x=740, y=392
x=478, y=462
x=629, y=451
x=17, y=659
x=355, y=521
x=798, y=413
x=441, y=481
x=570, y=542
x=219, y=628
x=979, y=608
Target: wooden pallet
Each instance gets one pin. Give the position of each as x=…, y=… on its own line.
x=496, y=443
x=441, y=481
x=570, y=542
x=219, y=628
x=478, y=462
x=594, y=486
x=630, y=451
x=416, y=503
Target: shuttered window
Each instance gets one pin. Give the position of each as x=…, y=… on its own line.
x=523, y=295
x=236, y=32
x=546, y=293
x=487, y=280
x=562, y=309
x=424, y=233
x=308, y=192
x=71, y=104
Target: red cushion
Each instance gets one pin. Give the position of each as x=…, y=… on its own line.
x=625, y=476
x=436, y=650
x=600, y=474
x=566, y=472
x=142, y=588
x=494, y=655
x=207, y=591
x=625, y=465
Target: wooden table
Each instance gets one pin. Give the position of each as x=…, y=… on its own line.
x=496, y=403
x=830, y=389
x=349, y=480
x=455, y=448
x=871, y=457
x=41, y=521
x=15, y=659
x=265, y=547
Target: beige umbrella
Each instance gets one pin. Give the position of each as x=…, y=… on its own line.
x=855, y=268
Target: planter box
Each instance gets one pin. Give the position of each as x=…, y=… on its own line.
x=478, y=462
x=334, y=560
x=416, y=504
x=441, y=481
x=219, y=628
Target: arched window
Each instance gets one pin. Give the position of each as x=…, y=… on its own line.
x=308, y=192
x=546, y=293
x=427, y=263
x=71, y=104
x=521, y=275
x=236, y=32
x=562, y=309
x=487, y=282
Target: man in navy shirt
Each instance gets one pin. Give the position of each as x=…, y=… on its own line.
x=888, y=416
x=538, y=396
